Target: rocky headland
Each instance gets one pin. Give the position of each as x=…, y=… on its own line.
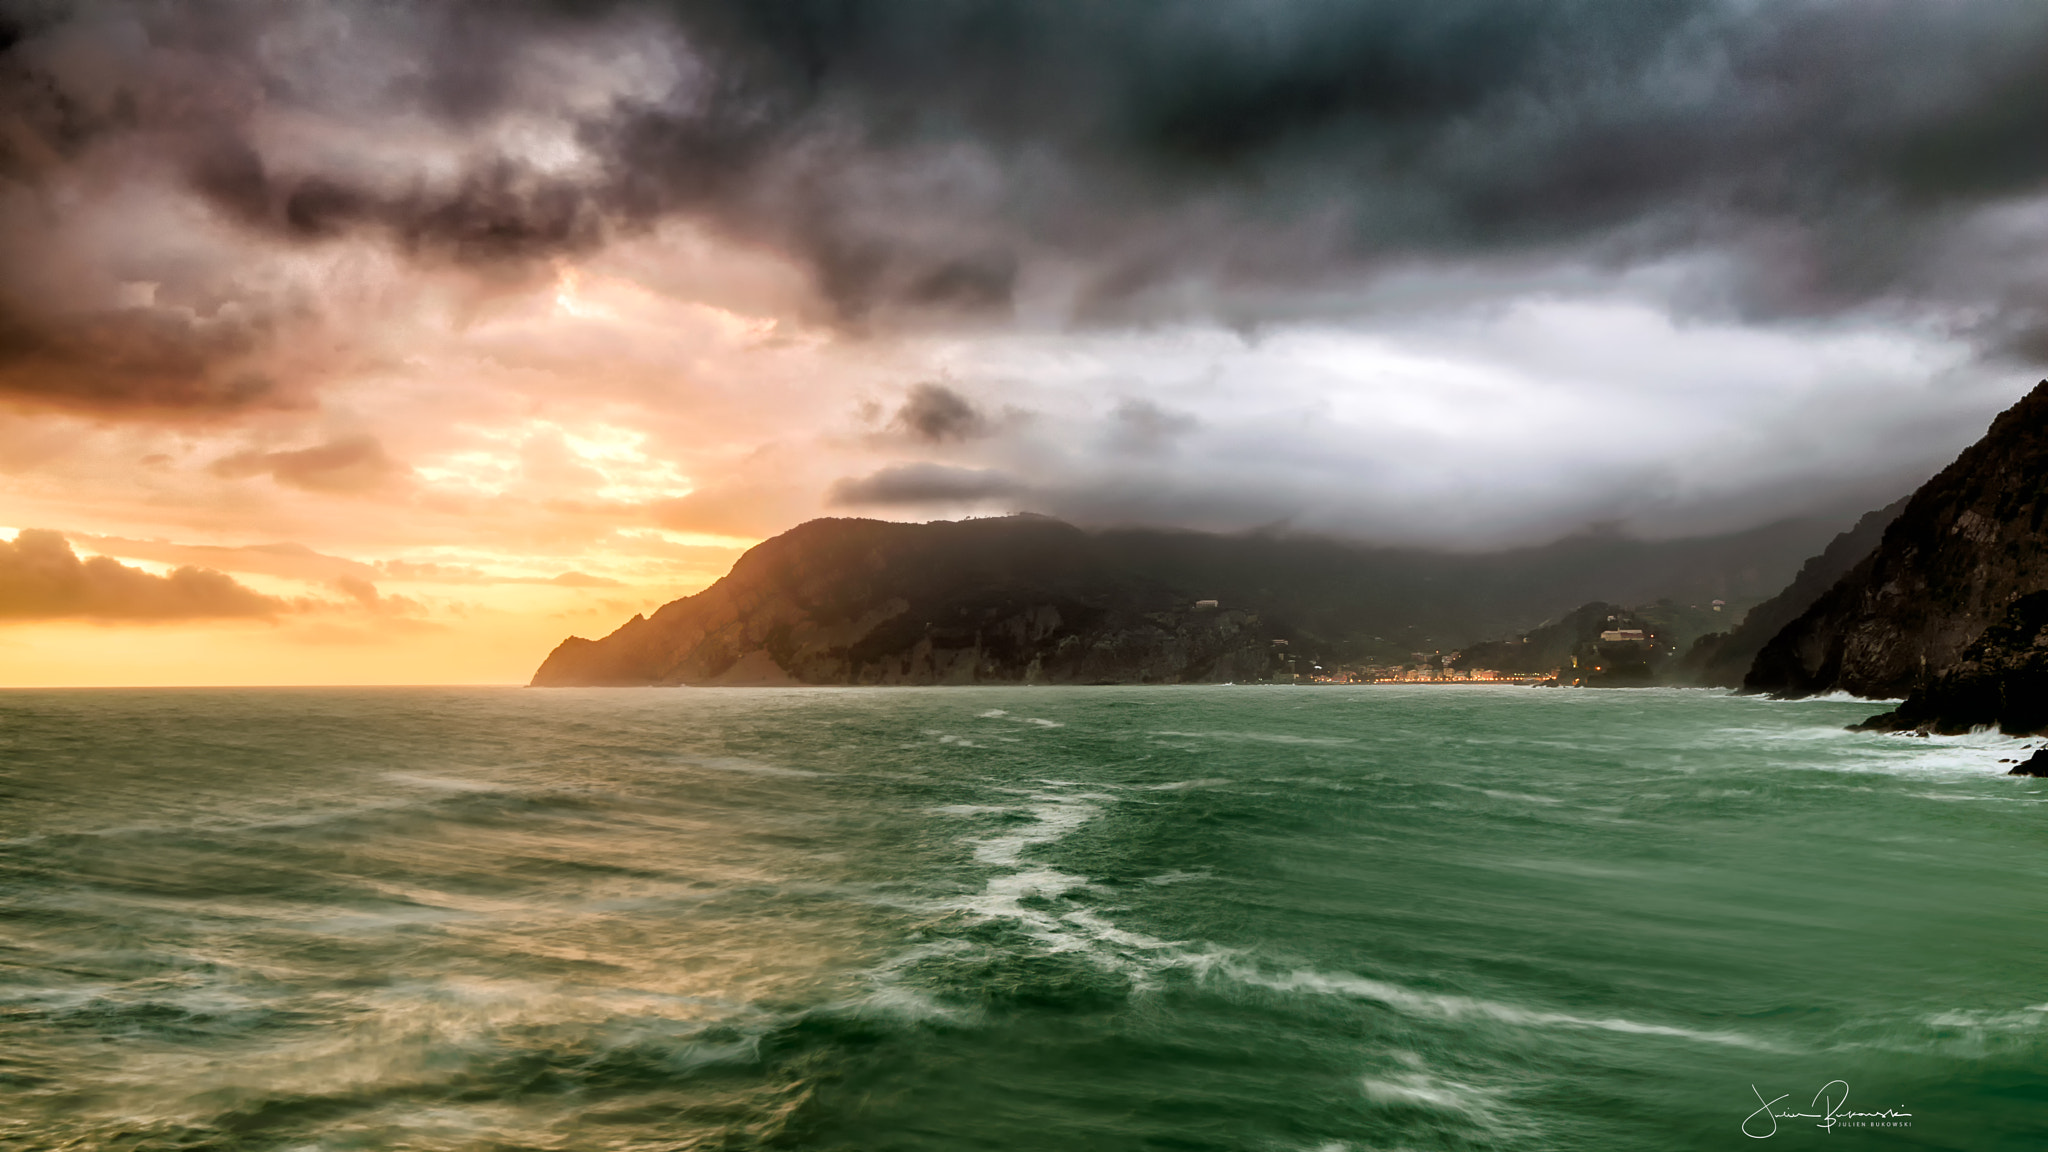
x=1965, y=549
x=1012, y=599
x=2001, y=681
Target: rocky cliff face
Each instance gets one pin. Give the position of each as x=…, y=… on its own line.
x=1015, y=599
x=2001, y=681
x=1968, y=544
x=1722, y=659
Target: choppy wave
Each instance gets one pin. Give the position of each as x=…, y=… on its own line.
x=1200, y=918
x=1462, y=1007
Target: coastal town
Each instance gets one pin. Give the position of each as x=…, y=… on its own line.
x=1598, y=644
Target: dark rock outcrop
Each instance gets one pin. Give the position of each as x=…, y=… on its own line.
x=1968, y=544
x=2035, y=765
x=1722, y=659
x=2001, y=681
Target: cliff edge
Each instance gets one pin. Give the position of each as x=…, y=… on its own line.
x=1968, y=544
x=2001, y=681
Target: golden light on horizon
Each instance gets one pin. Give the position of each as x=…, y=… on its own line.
x=617, y=296
x=452, y=617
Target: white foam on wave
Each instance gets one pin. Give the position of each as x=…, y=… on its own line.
x=1011, y=895
x=1972, y=754
x=1824, y=698
x=889, y=996
x=1422, y=1090
x=2032, y=1018
x=1976, y=755
x=1142, y=958
x=1455, y=1102
x=1830, y=733
x=1451, y=1007
x=1000, y=714
x=1055, y=816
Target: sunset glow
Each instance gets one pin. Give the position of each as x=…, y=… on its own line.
x=451, y=353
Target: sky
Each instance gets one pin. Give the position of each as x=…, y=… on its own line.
x=359, y=342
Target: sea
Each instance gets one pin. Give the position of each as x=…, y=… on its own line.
x=1297, y=919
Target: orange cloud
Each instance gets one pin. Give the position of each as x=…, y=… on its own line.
x=41, y=578
x=134, y=358
x=352, y=464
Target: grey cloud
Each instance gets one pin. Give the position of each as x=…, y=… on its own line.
x=1063, y=163
x=910, y=485
x=41, y=578
x=934, y=414
x=494, y=214
x=928, y=159
x=1144, y=426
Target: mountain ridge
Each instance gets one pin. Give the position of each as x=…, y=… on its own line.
x=1032, y=599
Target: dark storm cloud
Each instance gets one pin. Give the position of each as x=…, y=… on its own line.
x=42, y=579
x=934, y=413
x=1136, y=161
x=1273, y=145
x=494, y=214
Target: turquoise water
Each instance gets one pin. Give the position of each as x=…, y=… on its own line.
x=1186, y=918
